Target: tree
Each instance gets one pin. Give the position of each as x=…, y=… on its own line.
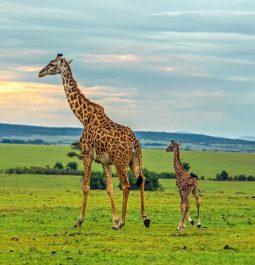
x=58, y=165
x=72, y=165
x=97, y=181
x=186, y=166
x=75, y=146
x=223, y=176
x=151, y=183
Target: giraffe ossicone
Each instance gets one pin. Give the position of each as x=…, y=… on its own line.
x=103, y=141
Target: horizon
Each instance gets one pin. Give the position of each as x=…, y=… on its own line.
x=172, y=132
x=163, y=67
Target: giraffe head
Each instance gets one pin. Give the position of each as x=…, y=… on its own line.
x=172, y=146
x=55, y=66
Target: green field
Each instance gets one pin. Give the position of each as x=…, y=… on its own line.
x=37, y=214
x=206, y=164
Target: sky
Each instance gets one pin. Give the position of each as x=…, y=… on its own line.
x=154, y=65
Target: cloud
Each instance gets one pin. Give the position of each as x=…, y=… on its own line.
x=177, y=69
x=32, y=101
x=206, y=13
x=111, y=58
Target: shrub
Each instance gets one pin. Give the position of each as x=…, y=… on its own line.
x=97, y=181
x=223, y=176
x=58, y=165
x=186, y=166
x=165, y=175
x=72, y=165
x=151, y=184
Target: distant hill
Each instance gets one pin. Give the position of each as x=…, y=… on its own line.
x=248, y=138
x=11, y=133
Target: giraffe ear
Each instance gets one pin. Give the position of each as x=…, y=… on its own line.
x=69, y=61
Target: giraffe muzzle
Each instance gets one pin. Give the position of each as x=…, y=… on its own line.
x=41, y=74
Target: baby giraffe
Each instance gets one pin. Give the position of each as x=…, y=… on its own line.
x=186, y=182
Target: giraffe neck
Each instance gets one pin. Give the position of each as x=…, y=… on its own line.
x=79, y=104
x=177, y=163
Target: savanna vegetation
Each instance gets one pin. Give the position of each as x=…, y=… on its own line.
x=206, y=164
x=37, y=214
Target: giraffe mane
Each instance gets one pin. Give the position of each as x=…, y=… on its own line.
x=79, y=91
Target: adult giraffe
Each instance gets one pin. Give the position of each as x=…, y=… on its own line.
x=103, y=141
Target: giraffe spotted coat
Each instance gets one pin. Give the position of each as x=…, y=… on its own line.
x=186, y=183
x=103, y=141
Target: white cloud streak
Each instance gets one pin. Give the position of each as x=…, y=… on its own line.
x=205, y=13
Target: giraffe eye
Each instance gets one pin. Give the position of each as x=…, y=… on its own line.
x=51, y=64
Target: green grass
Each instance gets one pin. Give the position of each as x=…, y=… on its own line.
x=37, y=214
x=206, y=164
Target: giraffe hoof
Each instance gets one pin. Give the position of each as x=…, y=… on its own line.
x=117, y=227
x=147, y=223
x=115, y=223
x=78, y=224
x=192, y=222
x=198, y=225
x=179, y=228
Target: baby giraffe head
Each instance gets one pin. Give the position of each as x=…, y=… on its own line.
x=172, y=146
x=55, y=66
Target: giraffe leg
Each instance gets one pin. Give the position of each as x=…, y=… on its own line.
x=195, y=193
x=109, y=189
x=146, y=220
x=86, y=187
x=182, y=210
x=125, y=185
x=191, y=221
x=185, y=208
x=134, y=166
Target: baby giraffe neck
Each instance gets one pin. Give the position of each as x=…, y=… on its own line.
x=177, y=163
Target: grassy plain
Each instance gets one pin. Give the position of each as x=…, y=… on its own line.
x=37, y=214
x=206, y=164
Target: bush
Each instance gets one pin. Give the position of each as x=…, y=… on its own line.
x=97, y=181
x=58, y=165
x=165, y=175
x=186, y=166
x=223, y=176
x=151, y=184
x=72, y=166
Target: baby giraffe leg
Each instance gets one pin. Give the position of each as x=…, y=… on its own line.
x=182, y=209
x=187, y=215
x=195, y=193
x=189, y=219
x=185, y=208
